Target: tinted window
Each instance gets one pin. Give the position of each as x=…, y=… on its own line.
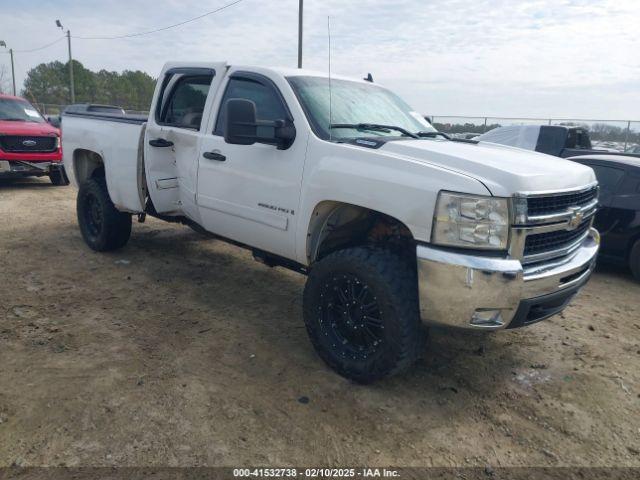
x=269, y=105
x=608, y=177
x=183, y=99
x=105, y=109
x=18, y=110
x=578, y=138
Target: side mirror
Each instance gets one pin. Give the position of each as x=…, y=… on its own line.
x=242, y=127
x=54, y=120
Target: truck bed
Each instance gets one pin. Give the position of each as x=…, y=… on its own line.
x=117, y=138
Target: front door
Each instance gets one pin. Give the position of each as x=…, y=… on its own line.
x=172, y=140
x=250, y=193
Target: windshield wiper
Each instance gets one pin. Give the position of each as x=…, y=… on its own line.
x=13, y=119
x=432, y=135
x=376, y=127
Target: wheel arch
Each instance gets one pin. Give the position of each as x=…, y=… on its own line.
x=87, y=164
x=335, y=225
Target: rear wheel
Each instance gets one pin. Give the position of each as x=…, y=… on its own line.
x=634, y=260
x=103, y=226
x=361, y=313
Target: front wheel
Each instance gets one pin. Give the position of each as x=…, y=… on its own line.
x=361, y=312
x=103, y=226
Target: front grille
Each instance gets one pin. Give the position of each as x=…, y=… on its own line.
x=15, y=143
x=549, y=241
x=559, y=203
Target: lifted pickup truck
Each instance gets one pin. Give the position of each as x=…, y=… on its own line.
x=395, y=225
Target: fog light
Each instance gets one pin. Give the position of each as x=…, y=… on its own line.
x=487, y=318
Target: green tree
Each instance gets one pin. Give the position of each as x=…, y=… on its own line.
x=48, y=83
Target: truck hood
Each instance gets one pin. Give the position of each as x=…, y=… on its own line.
x=503, y=170
x=27, y=129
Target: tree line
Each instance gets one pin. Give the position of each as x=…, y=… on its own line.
x=48, y=83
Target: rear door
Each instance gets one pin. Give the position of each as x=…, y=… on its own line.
x=173, y=135
x=250, y=193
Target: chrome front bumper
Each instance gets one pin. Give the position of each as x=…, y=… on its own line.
x=480, y=292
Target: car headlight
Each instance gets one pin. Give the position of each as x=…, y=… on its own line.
x=471, y=221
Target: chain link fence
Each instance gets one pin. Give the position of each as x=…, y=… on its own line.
x=614, y=135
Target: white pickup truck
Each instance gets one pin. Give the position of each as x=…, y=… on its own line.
x=396, y=226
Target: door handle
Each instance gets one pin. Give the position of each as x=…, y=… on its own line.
x=160, y=142
x=214, y=156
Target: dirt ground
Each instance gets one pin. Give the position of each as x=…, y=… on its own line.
x=182, y=351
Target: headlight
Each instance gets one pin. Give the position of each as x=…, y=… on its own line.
x=471, y=221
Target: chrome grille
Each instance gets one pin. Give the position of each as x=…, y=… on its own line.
x=551, y=226
x=557, y=203
x=19, y=143
x=558, y=239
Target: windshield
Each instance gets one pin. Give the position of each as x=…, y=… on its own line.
x=354, y=104
x=18, y=111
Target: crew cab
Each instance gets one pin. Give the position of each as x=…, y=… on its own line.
x=29, y=145
x=396, y=226
x=557, y=140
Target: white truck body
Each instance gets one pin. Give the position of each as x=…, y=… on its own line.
x=285, y=202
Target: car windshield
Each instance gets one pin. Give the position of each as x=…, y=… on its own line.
x=357, y=109
x=16, y=110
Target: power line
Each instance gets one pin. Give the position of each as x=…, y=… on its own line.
x=29, y=50
x=39, y=48
x=129, y=35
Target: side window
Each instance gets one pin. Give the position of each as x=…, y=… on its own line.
x=608, y=177
x=269, y=105
x=182, y=100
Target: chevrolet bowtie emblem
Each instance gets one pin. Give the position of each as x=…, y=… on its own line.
x=576, y=218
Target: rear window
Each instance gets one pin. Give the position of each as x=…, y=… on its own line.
x=578, y=138
x=105, y=109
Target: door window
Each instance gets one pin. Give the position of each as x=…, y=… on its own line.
x=608, y=177
x=269, y=104
x=182, y=100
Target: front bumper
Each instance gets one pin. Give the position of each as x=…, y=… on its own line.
x=480, y=292
x=27, y=168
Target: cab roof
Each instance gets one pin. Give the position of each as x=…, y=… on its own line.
x=620, y=159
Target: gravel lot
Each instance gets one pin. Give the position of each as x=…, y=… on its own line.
x=180, y=351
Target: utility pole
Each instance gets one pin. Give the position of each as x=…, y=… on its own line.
x=13, y=71
x=71, y=84
x=300, y=16
x=73, y=93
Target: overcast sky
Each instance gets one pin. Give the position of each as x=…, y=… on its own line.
x=547, y=58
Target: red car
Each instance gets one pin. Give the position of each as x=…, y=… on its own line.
x=29, y=145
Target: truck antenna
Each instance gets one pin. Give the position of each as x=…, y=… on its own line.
x=330, y=91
